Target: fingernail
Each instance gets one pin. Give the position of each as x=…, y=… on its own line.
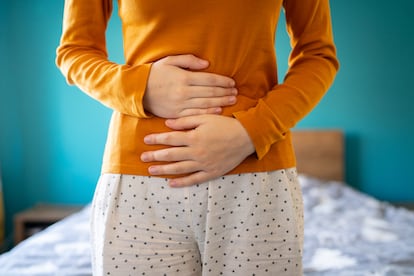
x=203, y=62
x=144, y=157
x=234, y=91
x=173, y=183
x=232, y=100
x=168, y=122
x=152, y=170
x=147, y=139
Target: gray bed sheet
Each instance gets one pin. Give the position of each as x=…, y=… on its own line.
x=346, y=233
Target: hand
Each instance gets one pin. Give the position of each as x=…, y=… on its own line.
x=173, y=91
x=203, y=146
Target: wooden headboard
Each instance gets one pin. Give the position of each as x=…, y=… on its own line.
x=320, y=153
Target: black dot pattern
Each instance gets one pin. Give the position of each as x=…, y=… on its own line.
x=247, y=224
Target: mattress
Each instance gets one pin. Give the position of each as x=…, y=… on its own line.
x=346, y=233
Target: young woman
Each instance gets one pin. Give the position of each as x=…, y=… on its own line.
x=198, y=176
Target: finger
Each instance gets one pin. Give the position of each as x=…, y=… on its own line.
x=189, y=180
x=172, y=138
x=200, y=111
x=209, y=79
x=182, y=167
x=186, y=62
x=211, y=102
x=211, y=91
x=183, y=123
x=167, y=155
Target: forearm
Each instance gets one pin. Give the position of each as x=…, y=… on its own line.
x=312, y=68
x=83, y=60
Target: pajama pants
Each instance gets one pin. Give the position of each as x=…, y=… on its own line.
x=246, y=224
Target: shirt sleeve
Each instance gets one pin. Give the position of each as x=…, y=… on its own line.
x=83, y=59
x=312, y=68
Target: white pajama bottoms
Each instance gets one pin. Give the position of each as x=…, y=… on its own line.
x=246, y=224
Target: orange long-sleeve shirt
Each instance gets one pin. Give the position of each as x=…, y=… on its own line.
x=236, y=37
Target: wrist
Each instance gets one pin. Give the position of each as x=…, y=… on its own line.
x=246, y=142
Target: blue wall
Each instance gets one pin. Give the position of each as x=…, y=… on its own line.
x=52, y=135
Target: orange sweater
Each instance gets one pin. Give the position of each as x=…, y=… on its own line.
x=237, y=38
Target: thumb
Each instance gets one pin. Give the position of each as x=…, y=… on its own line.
x=185, y=123
x=186, y=62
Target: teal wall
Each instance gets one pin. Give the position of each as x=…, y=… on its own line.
x=52, y=135
x=372, y=98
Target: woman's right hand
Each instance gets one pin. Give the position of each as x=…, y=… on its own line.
x=175, y=89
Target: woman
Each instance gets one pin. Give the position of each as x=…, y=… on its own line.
x=198, y=175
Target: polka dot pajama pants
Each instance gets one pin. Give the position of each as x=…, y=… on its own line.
x=247, y=224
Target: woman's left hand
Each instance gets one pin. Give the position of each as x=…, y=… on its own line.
x=202, y=146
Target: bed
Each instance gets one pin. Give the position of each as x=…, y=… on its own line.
x=346, y=232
